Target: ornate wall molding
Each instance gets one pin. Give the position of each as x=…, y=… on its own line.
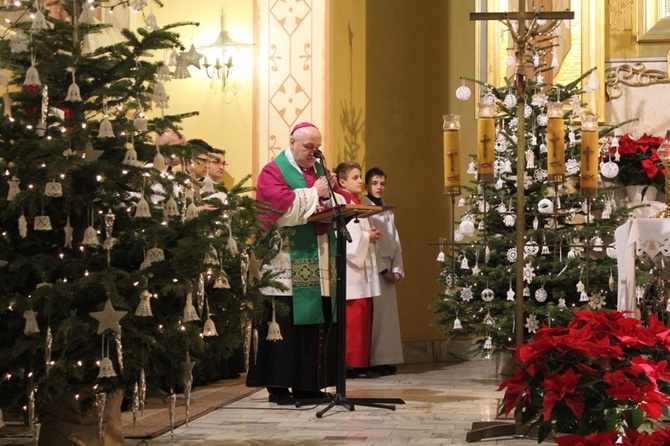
x=632, y=76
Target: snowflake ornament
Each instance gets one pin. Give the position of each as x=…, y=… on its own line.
x=466, y=294
x=528, y=273
x=532, y=323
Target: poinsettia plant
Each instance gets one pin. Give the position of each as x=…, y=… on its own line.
x=602, y=372
x=639, y=163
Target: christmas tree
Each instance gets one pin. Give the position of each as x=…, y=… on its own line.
x=569, y=260
x=118, y=272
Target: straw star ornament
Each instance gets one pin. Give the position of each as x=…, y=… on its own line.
x=108, y=318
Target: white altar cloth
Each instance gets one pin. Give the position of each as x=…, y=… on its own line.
x=638, y=237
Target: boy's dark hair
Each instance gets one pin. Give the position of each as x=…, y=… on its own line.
x=374, y=172
x=200, y=143
x=342, y=170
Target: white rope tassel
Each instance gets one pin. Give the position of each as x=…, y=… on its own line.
x=274, y=333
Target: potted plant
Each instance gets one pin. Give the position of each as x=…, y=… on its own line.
x=601, y=372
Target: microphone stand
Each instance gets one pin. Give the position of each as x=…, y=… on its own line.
x=340, y=398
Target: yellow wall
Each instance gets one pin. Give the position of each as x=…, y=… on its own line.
x=406, y=96
x=346, y=104
x=225, y=120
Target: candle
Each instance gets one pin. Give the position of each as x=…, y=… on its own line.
x=452, y=154
x=555, y=143
x=589, y=162
x=485, y=136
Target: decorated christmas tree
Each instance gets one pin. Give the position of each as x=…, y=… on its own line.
x=568, y=218
x=119, y=273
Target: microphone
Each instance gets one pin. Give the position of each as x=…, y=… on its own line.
x=318, y=154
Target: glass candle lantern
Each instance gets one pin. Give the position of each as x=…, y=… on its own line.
x=485, y=139
x=589, y=161
x=452, y=154
x=555, y=143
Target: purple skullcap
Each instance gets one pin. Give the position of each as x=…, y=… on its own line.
x=301, y=125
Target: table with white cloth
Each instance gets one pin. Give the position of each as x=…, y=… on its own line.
x=638, y=237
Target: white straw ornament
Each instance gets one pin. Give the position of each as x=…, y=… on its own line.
x=31, y=326
x=160, y=96
x=191, y=212
x=18, y=43
x=150, y=22
x=163, y=73
x=53, y=189
x=130, y=158
x=23, y=226
x=42, y=223
x=90, y=237
x=159, y=161
x=32, y=77
x=189, y=310
x=73, y=92
x=209, y=328
x=171, y=209
x=274, y=332
x=86, y=16
x=106, y=369
x=13, y=190
x=144, y=307
x=140, y=122
x=142, y=210
x=106, y=130
x=39, y=22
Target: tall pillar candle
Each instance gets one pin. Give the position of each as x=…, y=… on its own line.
x=589, y=161
x=555, y=143
x=452, y=154
x=486, y=129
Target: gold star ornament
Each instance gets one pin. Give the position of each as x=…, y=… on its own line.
x=108, y=318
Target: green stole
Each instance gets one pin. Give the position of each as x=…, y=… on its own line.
x=307, y=304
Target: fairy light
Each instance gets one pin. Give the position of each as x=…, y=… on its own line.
x=83, y=125
x=76, y=397
x=86, y=273
x=30, y=374
x=29, y=127
x=79, y=363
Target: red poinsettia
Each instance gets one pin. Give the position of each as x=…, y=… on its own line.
x=603, y=370
x=639, y=163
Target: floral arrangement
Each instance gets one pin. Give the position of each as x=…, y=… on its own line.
x=603, y=372
x=638, y=162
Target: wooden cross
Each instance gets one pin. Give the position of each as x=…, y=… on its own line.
x=451, y=154
x=485, y=140
x=553, y=139
x=588, y=152
x=522, y=38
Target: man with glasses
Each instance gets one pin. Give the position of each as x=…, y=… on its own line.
x=199, y=164
x=217, y=165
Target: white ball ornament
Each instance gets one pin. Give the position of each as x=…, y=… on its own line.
x=510, y=100
x=463, y=93
x=545, y=206
x=610, y=169
x=510, y=61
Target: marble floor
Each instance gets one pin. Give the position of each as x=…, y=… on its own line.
x=442, y=402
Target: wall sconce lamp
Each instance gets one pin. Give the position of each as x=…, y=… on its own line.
x=222, y=46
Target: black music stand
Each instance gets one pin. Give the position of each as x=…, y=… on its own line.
x=339, y=215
